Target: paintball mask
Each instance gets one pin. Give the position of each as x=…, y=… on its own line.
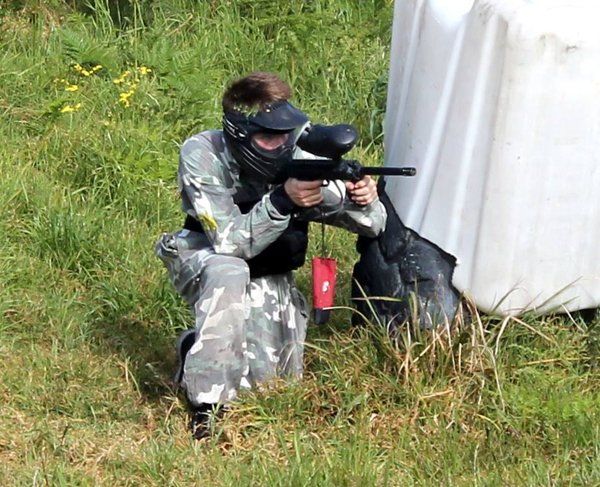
x=262, y=142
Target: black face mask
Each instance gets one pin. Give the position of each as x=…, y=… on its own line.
x=257, y=160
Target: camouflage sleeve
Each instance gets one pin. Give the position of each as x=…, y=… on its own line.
x=339, y=210
x=207, y=195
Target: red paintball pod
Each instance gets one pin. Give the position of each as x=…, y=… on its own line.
x=323, y=275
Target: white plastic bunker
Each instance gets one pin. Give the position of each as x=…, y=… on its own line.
x=497, y=104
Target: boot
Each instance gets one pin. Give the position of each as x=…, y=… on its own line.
x=184, y=343
x=203, y=419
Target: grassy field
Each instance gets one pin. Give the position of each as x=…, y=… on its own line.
x=95, y=98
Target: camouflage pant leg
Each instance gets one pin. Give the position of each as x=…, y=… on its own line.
x=247, y=331
x=276, y=328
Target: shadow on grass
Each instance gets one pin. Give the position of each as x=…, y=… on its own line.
x=147, y=350
x=140, y=326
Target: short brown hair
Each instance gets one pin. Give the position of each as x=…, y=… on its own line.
x=255, y=91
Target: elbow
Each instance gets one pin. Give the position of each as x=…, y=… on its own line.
x=232, y=250
x=372, y=232
x=380, y=227
x=374, y=224
x=244, y=250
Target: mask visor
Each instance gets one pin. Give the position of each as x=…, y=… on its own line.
x=280, y=116
x=272, y=144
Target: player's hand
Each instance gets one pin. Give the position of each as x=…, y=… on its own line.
x=362, y=192
x=304, y=193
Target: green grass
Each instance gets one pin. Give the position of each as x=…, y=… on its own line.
x=88, y=319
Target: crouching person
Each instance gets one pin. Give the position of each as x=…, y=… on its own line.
x=245, y=231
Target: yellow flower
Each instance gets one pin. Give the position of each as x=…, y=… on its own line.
x=144, y=70
x=70, y=108
x=81, y=70
x=124, y=98
x=98, y=67
x=71, y=88
x=121, y=78
x=85, y=72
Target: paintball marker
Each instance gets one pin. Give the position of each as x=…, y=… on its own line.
x=333, y=142
x=344, y=169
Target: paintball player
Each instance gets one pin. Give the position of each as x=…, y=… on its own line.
x=244, y=234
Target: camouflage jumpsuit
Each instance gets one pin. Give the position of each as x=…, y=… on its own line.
x=247, y=330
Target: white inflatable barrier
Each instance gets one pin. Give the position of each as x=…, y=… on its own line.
x=497, y=104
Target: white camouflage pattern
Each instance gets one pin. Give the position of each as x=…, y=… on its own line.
x=248, y=330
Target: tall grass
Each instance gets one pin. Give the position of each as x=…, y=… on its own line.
x=87, y=319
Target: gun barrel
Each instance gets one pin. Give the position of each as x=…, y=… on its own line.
x=389, y=171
